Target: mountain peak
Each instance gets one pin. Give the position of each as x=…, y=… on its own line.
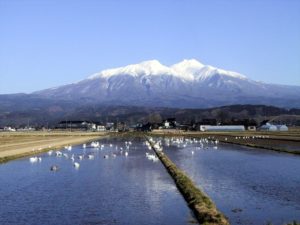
x=187, y=69
x=149, y=67
x=152, y=62
x=191, y=63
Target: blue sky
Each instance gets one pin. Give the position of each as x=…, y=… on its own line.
x=49, y=43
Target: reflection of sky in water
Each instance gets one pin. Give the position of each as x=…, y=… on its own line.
x=264, y=184
x=118, y=190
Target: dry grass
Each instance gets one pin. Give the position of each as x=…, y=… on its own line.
x=19, y=144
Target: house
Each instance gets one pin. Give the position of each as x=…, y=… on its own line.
x=101, y=128
x=222, y=128
x=251, y=128
x=11, y=129
x=170, y=123
x=121, y=127
x=92, y=126
x=109, y=126
x=167, y=124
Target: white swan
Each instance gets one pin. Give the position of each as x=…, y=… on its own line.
x=33, y=159
x=76, y=165
x=50, y=152
x=151, y=157
x=54, y=168
x=91, y=156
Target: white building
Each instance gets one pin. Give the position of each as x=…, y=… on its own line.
x=9, y=129
x=167, y=124
x=101, y=128
x=268, y=127
x=252, y=128
x=282, y=128
x=26, y=129
x=222, y=128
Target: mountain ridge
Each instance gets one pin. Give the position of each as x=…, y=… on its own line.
x=188, y=83
x=184, y=69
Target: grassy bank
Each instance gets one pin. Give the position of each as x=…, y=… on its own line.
x=276, y=149
x=204, y=209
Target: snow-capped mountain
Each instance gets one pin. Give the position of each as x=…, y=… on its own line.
x=187, y=70
x=188, y=83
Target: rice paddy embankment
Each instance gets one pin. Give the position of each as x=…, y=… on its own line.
x=202, y=206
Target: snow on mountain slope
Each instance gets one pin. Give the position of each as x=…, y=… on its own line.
x=188, y=83
x=151, y=67
x=186, y=69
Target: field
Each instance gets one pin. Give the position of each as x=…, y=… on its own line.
x=19, y=144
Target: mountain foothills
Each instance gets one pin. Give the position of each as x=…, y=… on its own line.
x=49, y=113
x=135, y=92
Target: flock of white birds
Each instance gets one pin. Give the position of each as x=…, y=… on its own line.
x=113, y=150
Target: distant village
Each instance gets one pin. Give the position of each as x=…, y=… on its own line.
x=169, y=124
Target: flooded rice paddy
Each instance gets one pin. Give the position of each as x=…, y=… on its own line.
x=249, y=185
x=112, y=190
x=110, y=186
